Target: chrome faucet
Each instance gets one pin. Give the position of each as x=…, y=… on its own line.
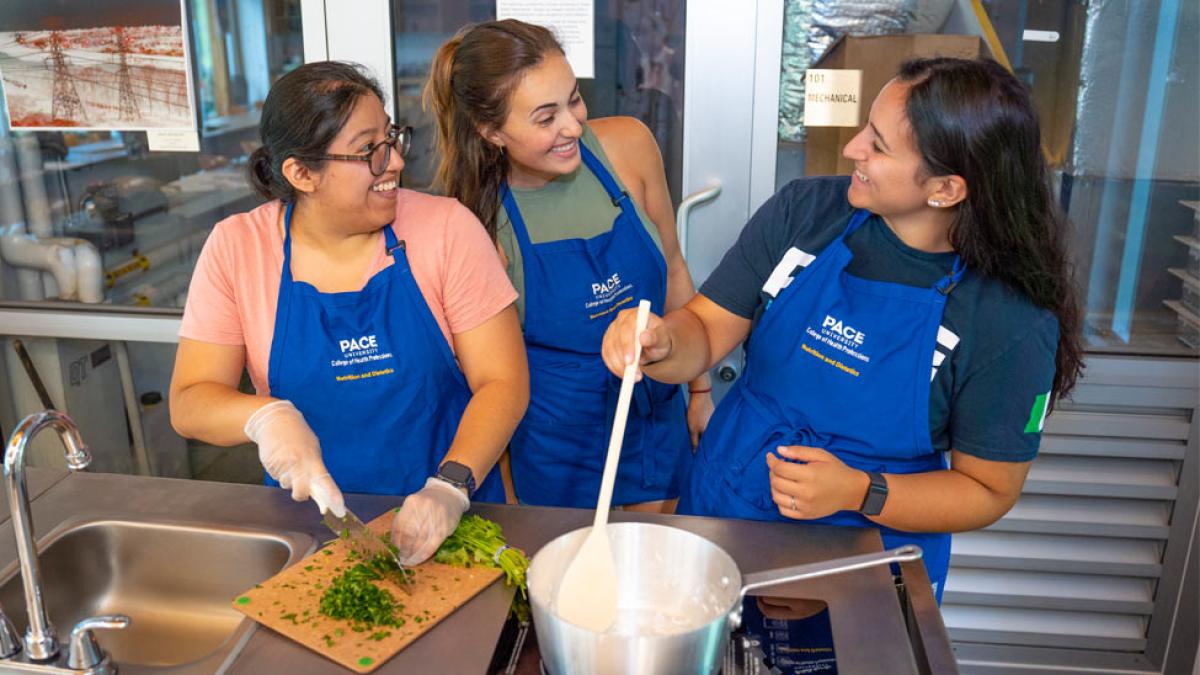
x=41, y=647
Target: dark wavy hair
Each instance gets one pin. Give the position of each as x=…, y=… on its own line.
x=470, y=81
x=974, y=119
x=303, y=113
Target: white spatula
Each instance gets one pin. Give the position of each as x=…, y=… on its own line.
x=587, y=594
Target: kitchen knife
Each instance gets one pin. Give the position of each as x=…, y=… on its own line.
x=365, y=543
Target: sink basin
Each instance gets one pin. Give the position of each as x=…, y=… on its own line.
x=175, y=580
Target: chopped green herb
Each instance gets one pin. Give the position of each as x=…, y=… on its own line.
x=328, y=640
x=327, y=551
x=379, y=635
x=353, y=596
x=243, y=600
x=366, y=661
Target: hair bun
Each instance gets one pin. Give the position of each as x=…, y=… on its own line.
x=262, y=176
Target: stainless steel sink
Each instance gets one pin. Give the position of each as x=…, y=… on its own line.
x=175, y=580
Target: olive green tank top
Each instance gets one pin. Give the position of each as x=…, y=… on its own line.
x=572, y=206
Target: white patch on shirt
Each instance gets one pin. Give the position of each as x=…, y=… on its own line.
x=782, y=275
x=946, y=342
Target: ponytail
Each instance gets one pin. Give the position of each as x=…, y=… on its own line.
x=470, y=82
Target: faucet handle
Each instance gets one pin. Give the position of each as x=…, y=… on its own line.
x=10, y=639
x=85, y=652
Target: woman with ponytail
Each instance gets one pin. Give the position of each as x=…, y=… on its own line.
x=916, y=311
x=581, y=211
x=376, y=323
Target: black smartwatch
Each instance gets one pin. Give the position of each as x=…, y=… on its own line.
x=458, y=475
x=876, y=495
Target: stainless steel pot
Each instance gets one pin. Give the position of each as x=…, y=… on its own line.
x=679, y=596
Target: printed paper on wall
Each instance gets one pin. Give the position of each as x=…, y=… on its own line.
x=101, y=64
x=572, y=21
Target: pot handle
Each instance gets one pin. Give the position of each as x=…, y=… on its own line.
x=824, y=568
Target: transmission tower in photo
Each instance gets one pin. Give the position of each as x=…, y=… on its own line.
x=128, y=102
x=66, y=105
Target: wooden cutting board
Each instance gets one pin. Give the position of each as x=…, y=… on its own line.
x=289, y=604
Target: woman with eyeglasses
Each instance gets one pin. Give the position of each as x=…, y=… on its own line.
x=581, y=210
x=377, y=324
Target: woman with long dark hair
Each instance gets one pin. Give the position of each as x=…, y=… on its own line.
x=581, y=211
x=918, y=310
x=376, y=323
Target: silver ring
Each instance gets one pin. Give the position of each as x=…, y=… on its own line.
x=793, y=497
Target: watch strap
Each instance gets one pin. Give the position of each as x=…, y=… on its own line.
x=876, y=497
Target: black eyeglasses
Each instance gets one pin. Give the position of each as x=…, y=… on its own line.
x=378, y=155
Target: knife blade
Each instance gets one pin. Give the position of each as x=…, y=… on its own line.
x=365, y=543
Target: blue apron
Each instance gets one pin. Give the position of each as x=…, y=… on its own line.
x=573, y=289
x=373, y=375
x=836, y=362
x=793, y=646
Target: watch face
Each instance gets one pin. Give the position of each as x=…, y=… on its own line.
x=455, y=472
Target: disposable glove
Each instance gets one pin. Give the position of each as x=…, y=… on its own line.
x=427, y=517
x=291, y=454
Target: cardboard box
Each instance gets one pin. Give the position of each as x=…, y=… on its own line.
x=878, y=58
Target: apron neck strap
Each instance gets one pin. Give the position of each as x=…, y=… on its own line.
x=515, y=217
x=618, y=196
x=944, y=285
x=948, y=282
x=395, y=248
x=860, y=216
x=287, y=237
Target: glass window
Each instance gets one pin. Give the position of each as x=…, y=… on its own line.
x=143, y=215
x=638, y=60
x=116, y=392
x=1116, y=89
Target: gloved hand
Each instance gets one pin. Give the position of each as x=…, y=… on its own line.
x=291, y=454
x=427, y=517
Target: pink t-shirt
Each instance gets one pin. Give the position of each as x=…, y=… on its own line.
x=235, y=287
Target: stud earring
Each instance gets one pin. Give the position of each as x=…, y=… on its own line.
x=934, y=203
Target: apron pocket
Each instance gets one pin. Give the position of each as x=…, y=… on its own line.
x=550, y=466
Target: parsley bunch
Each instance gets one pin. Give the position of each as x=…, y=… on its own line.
x=475, y=542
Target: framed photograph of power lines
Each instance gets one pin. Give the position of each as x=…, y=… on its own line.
x=96, y=64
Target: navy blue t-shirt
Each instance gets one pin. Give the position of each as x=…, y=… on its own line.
x=992, y=382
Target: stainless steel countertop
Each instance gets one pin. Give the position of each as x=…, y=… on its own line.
x=864, y=609
x=37, y=481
